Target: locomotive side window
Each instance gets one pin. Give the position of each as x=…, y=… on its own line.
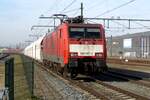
x=77, y=32
x=92, y=33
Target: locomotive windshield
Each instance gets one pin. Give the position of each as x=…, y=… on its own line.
x=92, y=33
x=84, y=33
x=77, y=32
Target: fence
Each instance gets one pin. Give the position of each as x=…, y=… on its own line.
x=3, y=90
x=24, y=80
x=9, y=77
x=19, y=78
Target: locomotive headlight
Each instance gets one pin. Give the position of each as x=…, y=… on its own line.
x=98, y=54
x=72, y=54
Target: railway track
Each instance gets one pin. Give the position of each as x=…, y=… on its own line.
x=101, y=89
x=88, y=88
x=117, y=92
x=135, y=62
x=70, y=82
x=105, y=91
x=132, y=79
x=123, y=93
x=79, y=84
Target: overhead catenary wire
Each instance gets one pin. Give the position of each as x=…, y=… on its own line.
x=115, y=8
x=119, y=24
x=99, y=5
x=72, y=10
x=129, y=27
x=70, y=4
x=93, y=22
x=51, y=9
x=52, y=6
x=76, y=12
x=147, y=27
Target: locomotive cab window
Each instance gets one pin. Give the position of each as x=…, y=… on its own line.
x=85, y=33
x=92, y=33
x=77, y=32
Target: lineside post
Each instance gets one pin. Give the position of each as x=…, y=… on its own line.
x=32, y=91
x=9, y=77
x=82, y=12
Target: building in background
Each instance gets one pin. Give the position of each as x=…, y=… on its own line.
x=129, y=45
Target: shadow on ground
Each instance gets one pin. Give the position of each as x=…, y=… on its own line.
x=106, y=77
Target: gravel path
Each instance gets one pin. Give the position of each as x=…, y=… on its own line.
x=58, y=89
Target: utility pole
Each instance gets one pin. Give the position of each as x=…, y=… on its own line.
x=111, y=41
x=81, y=11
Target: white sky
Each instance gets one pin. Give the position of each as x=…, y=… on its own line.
x=17, y=16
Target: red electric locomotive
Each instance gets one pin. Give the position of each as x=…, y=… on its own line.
x=75, y=47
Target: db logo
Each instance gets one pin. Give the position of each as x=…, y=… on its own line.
x=86, y=42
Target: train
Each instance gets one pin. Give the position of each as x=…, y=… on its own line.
x=73, y=47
